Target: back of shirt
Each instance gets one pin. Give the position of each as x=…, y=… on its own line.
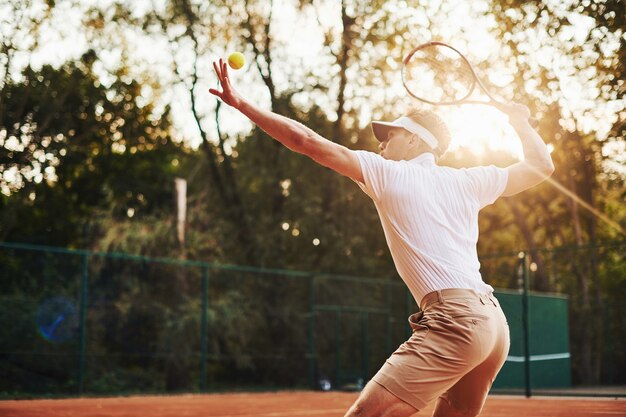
x=430, y=218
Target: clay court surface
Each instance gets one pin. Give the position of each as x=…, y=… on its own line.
x=314, y=404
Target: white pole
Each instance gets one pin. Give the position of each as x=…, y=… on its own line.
x=181, y=206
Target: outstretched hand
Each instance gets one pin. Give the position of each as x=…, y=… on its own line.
x=228, y=94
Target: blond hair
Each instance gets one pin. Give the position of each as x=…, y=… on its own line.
x=435, y=124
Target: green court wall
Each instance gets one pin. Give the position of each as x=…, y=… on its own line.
x=548, y=341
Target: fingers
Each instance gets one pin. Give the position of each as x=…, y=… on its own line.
x=221, y=70
x=217, y=71
x=215, y=92
x=224, y=68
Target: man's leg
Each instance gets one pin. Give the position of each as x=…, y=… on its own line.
x=376, y=401
x=467, y=397
x=420, y=370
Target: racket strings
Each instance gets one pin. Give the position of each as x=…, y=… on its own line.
x=438, y=74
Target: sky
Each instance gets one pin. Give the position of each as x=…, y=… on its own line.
x=479, y=128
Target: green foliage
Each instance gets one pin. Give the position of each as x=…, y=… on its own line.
x=26, y=366
x=77, y=148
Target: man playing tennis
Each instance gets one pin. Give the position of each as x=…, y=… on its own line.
x=429, y=214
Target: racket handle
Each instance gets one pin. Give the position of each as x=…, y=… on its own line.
x=502, y=107
x=531, y=121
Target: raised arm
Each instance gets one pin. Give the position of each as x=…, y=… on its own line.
x=537, y=165
x=290, y=133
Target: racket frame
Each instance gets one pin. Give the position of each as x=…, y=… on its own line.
x=462, y=100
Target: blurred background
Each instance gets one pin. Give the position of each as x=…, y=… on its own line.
x=154, y=240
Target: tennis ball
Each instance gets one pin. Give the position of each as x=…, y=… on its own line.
x=236, y=60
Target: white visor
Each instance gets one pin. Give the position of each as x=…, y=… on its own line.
x=381, y=128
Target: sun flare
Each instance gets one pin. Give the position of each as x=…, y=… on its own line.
x=481, y=129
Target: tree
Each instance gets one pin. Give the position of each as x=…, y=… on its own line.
x=73, y=144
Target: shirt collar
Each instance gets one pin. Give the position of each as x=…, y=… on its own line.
x=426, y=158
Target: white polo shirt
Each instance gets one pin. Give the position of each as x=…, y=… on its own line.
x=429, y=214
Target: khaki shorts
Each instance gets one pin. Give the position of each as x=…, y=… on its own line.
x=459, y=343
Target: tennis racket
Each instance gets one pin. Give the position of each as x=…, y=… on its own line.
x=437, y=73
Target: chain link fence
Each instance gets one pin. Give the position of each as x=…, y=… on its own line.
x=77, y=322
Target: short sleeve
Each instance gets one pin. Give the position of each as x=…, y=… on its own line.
x=375, y=170
x=487, y=183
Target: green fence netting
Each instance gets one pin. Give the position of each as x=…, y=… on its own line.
x=77, y=322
